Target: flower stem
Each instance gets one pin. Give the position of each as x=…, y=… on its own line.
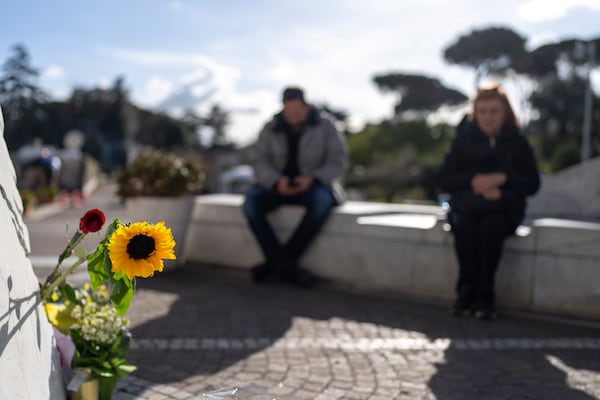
x=75, y=240
x=47, y=292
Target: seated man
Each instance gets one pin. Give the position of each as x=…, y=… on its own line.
x=300, y=157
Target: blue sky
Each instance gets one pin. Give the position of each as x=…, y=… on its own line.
x=183, y=53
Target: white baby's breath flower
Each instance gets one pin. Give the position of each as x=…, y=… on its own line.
x=98, y=323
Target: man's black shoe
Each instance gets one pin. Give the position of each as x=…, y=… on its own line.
x=486, y=313
x=461, y=309
x=260, y=272
x=457, y=311
x=301, y=277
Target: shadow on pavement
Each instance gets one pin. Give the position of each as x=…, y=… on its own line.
x=206, y=303
x=493, y=374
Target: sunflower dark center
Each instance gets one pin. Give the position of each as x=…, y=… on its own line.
x=140, y=246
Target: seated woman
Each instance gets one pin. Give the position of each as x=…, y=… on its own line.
x=489, y=172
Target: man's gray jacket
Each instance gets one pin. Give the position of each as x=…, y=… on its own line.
x=322, y=153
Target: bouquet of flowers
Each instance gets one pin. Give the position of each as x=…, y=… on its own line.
x=91, y=331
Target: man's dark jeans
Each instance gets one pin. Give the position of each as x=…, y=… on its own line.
x=318, y=201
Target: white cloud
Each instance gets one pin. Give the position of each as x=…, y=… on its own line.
x=149, y=58
x=155, y=90
x=54, y=80
x=334, y=58
x=103, y=83
x=283, y=71
x=249, y=111
x=326, y=81
x=335, y=66
x=204, y=68
x=339, y=70
x=53, y=72
x=548, y=10
x=542, y=38
x=221, y=75
x=208, y=82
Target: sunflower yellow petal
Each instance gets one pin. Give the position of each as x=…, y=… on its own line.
x=133, y=264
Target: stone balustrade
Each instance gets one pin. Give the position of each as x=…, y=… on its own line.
x=550, y=266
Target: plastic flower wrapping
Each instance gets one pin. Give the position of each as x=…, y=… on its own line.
x=90, y=327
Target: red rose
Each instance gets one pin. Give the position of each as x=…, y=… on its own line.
x=92, y=221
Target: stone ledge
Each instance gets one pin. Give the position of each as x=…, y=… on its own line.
x=551, y=265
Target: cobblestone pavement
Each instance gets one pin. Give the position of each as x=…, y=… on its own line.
x=198, y=330
x=205, y=333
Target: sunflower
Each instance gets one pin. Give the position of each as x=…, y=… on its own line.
x=138, y=249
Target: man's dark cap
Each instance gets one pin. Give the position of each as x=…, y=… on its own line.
x=293, y=93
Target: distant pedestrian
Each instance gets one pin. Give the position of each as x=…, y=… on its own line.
x=71, y=177
x=300, y=158
x=72, y=173
x=489, y=172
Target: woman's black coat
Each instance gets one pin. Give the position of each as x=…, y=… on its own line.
x=473, y=152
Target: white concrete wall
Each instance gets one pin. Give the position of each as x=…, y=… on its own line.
x=553, y=267
x=28, y=360
x=570, y=193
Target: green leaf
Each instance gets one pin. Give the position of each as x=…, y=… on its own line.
x=99, y=266
x=80, y=253
x=102, y=372
x=82, y=361
x=126, y=368
x=96, y=269
x=68, y=292
x=121, y=295
x=124, y=342
x=110, y=230
x=77, y=338
x=108, y=267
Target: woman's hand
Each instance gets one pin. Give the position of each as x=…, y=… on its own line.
x=487, y=185
x=492, y=194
